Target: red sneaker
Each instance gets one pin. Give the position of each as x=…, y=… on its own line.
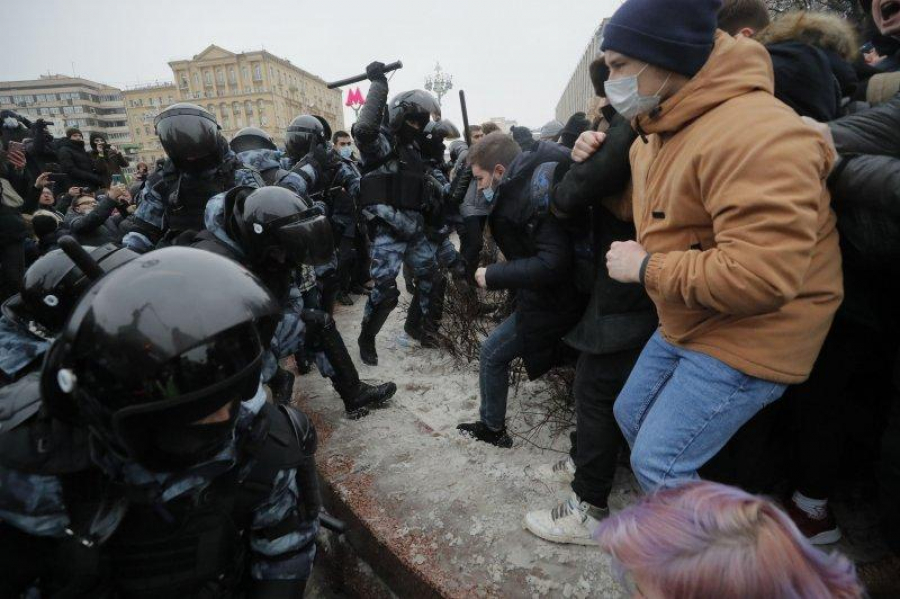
x=821, y=529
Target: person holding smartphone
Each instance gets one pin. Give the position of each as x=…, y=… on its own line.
x=108, y=161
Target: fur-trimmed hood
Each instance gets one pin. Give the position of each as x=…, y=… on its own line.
x=823, y=30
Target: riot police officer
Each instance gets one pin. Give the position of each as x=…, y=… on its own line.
x=156, y=468
x=394, y=194
x=308, y=136
x=256, y=149
x=272, y=231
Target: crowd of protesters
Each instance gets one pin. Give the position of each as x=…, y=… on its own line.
x=714, y=250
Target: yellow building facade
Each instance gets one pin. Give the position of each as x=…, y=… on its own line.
x=247, y=89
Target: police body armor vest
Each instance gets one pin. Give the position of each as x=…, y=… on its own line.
x=191, y=547
x=404, y=188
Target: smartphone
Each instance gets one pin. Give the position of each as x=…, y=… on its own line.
x=16, y=146
x=118, y=180
x=56, y=177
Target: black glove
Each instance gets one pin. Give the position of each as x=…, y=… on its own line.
x=375, y=71
x=460, y=185
x=318, y=159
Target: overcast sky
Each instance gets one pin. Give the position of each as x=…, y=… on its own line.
x=512, y=57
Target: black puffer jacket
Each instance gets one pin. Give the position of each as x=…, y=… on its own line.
x=77, y=164
x=619, y=316
x=865, y=189
x=538, y=249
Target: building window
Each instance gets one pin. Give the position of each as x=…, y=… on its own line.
x=207, y=77
x=220, y=76
x=171, y=100
x=257, y=72
x=264, y=121
x=196, y=79
x=137, y=131
x=248, y=107
x=232, y=77
x=211, y=109
x=246, y=71
x=259, y=106
x=147, y=129
x=236, y=108
x=184, y=80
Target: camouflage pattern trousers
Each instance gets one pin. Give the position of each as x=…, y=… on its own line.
x=389, y=252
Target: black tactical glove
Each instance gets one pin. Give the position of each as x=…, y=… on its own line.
x=460, y=185
x=375, y=71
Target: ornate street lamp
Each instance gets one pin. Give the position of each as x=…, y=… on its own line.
x=439, y=83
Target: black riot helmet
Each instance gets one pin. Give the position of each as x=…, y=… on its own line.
x=52, y=286
x=304, y=133
x=251, y=138
x=190, y=136
x=416, y=105
x=277, y=227
x=157, y=345
x=433, y=137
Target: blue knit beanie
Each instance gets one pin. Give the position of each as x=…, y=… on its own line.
x=676, y=35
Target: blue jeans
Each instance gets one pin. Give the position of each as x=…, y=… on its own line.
x=680, y=407
x=501, y=347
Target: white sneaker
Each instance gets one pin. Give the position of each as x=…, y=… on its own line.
x=562, y=472
x=573, y=522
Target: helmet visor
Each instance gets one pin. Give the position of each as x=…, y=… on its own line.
x=306, y=237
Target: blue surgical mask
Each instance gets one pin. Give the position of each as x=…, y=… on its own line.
x=488, y=191
x=346, y=152
x=623, y=95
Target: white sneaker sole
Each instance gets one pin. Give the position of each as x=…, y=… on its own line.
x=560, y=539
x=826, y=538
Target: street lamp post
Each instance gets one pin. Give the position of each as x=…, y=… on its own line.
x=439, y=83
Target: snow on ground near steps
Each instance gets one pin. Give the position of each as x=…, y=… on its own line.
x=464, y=498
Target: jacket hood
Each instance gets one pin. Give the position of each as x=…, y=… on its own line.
x=823, y=30
x=804, y=81
x=93, y=136
x=737, y=66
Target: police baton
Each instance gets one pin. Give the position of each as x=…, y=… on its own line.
x=351, y=80
x=465, y=116
x=80, y=257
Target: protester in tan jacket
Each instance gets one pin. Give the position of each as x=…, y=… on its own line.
x=736, y=241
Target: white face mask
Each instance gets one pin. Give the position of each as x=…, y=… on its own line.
x=346, y=152
x=623, y=95
x=488, y=191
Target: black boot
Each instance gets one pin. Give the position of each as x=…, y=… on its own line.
x=282, y=387
x=480, y=432
x=372, y=324
x=357, y=395
x=413, y=324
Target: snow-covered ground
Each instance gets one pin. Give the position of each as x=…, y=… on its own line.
x=454, y=505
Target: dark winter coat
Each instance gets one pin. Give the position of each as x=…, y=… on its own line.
x=108, y=163
x=99, y=226
x=865, y=188
x=77, y=164
x=619, y=316
x=539, y=254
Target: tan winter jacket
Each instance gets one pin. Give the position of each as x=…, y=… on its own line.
x=730, y=199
